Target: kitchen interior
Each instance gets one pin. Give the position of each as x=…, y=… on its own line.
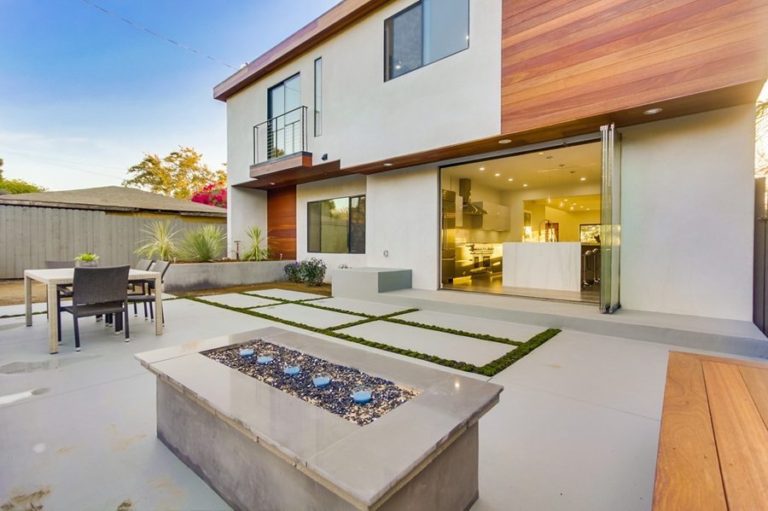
x=525, y=225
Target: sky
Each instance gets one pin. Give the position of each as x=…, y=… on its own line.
x=84, y=95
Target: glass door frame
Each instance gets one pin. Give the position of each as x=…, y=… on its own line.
x=281, y=122
x=610, y=220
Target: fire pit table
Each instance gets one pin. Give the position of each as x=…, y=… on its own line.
x=275, y=419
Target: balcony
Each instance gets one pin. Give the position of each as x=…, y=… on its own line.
x=280, y=153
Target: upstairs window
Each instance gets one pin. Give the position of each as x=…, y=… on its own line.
x=423, y=33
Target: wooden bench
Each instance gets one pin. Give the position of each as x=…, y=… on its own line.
x=713, y=444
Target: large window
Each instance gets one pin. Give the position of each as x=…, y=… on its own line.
x=427, y=31
x=336, y=226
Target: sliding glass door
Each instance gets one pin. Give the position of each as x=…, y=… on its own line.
x=610, y=239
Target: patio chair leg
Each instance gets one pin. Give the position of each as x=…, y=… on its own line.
x=77, y=333
x=135, y=310
x=98, y=318
x=145, y=311
x=151, y=312
x=58, y=322
x=127, y=331
x=118, y=322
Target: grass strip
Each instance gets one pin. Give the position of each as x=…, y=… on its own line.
x=454, y=331
x=369, y=319
x=490, y=369
x=7, y=316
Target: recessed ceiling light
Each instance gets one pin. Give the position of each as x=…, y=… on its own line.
x=272, y=184
x=496, y=174
x=505, y=141
x=561, y=204
x=582, y=179
x=525, y=185
x=541, y=152
x=653, y=111
x=482, y=169
x=510, y=179
x=571, y=208
x=588, y=209
x=387, y=164
x=566, y=200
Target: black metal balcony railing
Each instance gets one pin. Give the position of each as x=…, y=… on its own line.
x=281, y=135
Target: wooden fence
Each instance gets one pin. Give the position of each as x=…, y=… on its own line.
x=31, y=235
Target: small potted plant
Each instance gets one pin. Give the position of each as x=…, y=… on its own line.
x=87, y=260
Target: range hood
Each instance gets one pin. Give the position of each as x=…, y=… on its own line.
x=465, y=191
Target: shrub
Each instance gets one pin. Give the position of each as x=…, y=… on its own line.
x=256, y=252
x=292, y=272
x=87, y=257
x=160, y=242
x=203, y=244
x=312, y=271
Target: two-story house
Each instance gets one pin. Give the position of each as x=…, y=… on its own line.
x=581, y=150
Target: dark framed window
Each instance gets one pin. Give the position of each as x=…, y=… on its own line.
x=336, y=226
x=318, y=97
x=283, y=111
x=425, y=32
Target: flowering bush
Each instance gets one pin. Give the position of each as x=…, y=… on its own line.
x=312, y=271
x=292, y=272
x=212, y=194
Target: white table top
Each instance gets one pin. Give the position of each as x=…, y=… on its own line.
x=66, y=275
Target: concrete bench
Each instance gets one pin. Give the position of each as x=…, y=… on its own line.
x=713, y=443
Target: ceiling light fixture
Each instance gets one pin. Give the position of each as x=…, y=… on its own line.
x=387, y=164
x=510, y=179
x=541, y=152
x=582, y=179
x=482, y=169
x=505, y=141
x=653, y=111
x=496, y=174
x=525, y=185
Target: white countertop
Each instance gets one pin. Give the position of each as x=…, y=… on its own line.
x=555, y=266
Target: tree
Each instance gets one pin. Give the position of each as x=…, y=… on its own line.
x=14, y=186
x=214, y=194
x=177, y=175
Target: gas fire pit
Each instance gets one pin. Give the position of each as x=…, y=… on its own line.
x=321, y=425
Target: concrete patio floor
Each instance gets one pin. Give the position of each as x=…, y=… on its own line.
x=576, y=428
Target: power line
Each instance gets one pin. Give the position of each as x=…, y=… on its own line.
x=78, y=167
x=157, y=35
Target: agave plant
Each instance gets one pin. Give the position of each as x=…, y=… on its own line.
x=256, y=252
x=160, y=242
x=205, y=243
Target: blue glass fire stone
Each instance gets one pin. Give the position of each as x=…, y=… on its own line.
x=246, y=352
x=292, y=370
x=361, y=396
x=321, y=381
x=264, y=359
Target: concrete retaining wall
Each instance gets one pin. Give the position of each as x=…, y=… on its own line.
x=194, y=276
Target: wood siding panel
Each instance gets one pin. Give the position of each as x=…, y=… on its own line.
x=281, y=223
x=569, y=60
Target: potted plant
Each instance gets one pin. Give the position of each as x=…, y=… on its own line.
x=87, y=260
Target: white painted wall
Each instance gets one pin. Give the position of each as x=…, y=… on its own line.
x=403, y=219
x=245, y=208
x=320, y=190
x=687, y=206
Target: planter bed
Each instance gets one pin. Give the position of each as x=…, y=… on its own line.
x=260, y=447
x=196, y=276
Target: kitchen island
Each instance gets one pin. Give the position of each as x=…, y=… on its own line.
x=555, y=266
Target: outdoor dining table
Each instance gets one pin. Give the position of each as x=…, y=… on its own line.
x=64, y=276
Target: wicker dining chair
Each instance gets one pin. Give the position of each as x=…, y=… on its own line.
x=148, y=298
x=98, y=291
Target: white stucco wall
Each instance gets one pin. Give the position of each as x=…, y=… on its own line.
x=245, y=208
x=687, y=206
x=367, y=119
x=403, y=219
x=320, y=190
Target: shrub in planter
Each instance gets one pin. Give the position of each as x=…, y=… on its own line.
x=312, y=271
x=257, y=251
x=203, y=244
x=292, y=272
x=159, y=242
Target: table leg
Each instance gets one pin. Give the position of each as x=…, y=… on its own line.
x=28, y=299
x=53, y=320
x=158, y=306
